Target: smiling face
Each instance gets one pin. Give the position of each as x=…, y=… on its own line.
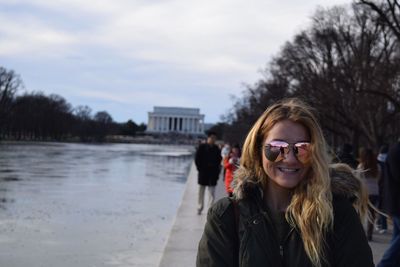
x=288, y=172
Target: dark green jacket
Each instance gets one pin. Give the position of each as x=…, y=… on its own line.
x=347, y=245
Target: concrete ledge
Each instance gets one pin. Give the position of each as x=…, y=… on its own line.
x=181, y=247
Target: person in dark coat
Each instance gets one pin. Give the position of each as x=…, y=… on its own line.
x=391, y=205
x=382, y=221
x=286, y=210
x=346, y=156
x=208, y=163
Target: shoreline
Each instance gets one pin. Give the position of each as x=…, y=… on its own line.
x=181, y=246
x=113, y=140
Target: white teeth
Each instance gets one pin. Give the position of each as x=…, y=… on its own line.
x=288, y=169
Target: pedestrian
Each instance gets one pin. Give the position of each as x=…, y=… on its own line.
x=391, y=205
x=382, y=221
x=346, y=156
x=231, y=163
x=225, y=151
x=208, y=164
x=284, y=211
x=370, y=172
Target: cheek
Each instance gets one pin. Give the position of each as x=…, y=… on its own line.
x=268, y=167
x=306, y=173
x=309, y=171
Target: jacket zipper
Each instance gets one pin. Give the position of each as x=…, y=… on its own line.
x=281, y=251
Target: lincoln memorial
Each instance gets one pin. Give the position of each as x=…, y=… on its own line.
x=174, y=119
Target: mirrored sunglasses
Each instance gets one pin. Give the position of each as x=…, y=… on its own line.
x=276, y=150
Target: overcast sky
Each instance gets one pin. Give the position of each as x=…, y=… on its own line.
x=126, y=56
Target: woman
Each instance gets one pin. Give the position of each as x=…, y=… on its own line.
x=231, y=163
x=369, y=169
x=285, y=212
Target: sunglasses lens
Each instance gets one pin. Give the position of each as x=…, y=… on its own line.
x=271, y=153
x=302, y=151
x=275, y=150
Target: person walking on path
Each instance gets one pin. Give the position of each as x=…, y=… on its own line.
x=231, y=163
x=346, y=156
x=391, y=205
x=225, y=151
x=382, y=221
x=287, y=208
x=208, y=163
x=370, y=172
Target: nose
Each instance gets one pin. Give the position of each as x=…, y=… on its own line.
x=290, y=156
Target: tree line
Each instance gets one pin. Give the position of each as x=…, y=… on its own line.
x=36, y=116
x=346, y=65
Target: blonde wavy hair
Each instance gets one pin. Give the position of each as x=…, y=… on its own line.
x=310, y=209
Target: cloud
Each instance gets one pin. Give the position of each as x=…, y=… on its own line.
x=208, y=36
x=29, y=36
x=147, y=51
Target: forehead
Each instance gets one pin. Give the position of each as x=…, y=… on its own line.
x=288, y=131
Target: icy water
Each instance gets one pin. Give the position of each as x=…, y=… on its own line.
x=64, y=205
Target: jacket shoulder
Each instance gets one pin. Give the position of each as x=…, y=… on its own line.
x=343, y=208
x=350, y=246
x=221, y=209
x=218, y=242
x=340, y=202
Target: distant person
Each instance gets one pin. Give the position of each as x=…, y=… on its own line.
x=370, y=172
x=391, y=205
x=285, y=210
x=226, y=149
x=346, y=156
x=231, y=163
x=382, y=221
x=208, y=163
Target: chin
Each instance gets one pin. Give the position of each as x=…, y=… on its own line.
x=288, y=181
x=288, y=184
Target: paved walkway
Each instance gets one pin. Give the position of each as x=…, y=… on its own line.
x=181, y=246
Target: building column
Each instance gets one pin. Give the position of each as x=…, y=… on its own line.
x=185, y=128
x=202, y=126
x=191, y=125
x=151, y=123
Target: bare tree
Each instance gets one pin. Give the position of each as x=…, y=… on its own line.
x=346, y=65
x=10, y=83
x=388, y=12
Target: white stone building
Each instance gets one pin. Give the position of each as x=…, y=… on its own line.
x=175, y=119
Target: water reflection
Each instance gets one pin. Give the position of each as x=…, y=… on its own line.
x=168, y=166
x=89, y=205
